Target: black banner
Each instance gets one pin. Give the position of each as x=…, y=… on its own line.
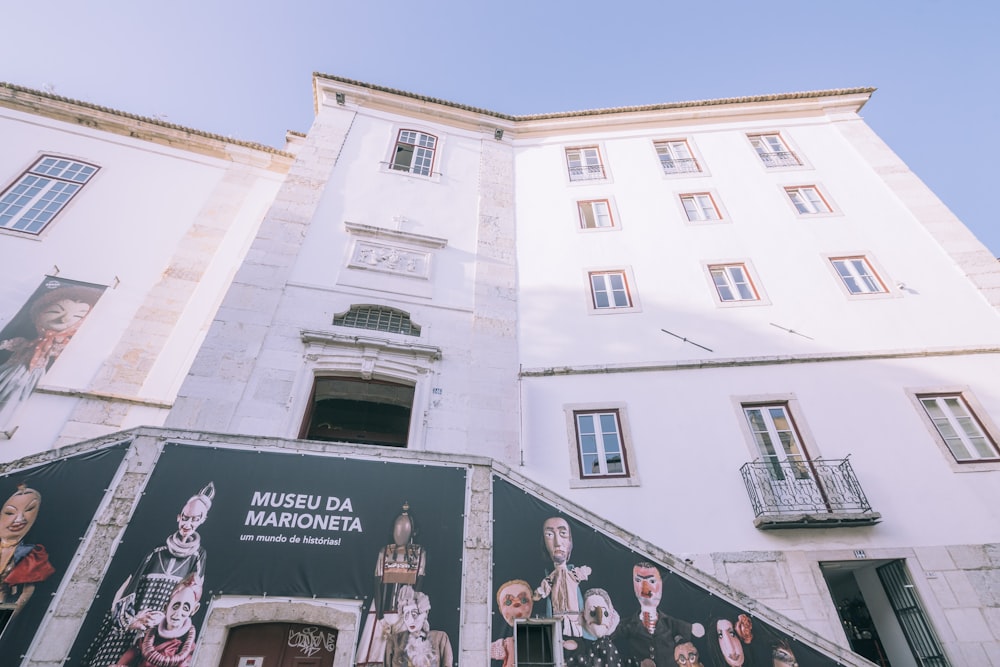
x=238, y=522
x=614, y=606
x=46, y=512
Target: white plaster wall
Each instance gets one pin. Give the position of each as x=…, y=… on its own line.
x=939, y=306
x=689, y=443
x=363, y=191
x=123, y=230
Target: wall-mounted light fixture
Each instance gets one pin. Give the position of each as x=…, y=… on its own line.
x=498, y=134
x=341, y=99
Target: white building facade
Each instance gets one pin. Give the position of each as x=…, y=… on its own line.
x=741, y=332
x=155, y=218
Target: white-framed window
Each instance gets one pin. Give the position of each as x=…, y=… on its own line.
x=595, y=214
x=34, y=199
x=599, y=444
x=585, y=164
x=773, y=151
x=808, y=200
x=700, y=207
x=777, y=440
x=609, y=290
x=733, y=283
x=959, y=428
x=676, y=157
x=858, y=275
x=414, y=152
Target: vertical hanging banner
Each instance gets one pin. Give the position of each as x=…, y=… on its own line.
x=216, y=521
x=45, y=514
x=615, y=607
x=35, y=337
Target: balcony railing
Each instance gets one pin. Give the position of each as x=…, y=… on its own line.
x=780, y=159
x=679, y=165
x=587, y=172
x=806, y=493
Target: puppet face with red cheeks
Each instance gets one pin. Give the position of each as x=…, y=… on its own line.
x=648, y=585
x=515, y=602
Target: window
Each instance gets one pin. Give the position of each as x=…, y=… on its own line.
x=772, y=151
x=959, y=427
x=858, y=275
x=777, y=442
x=700, y=207
x=610, y=290
x=414, y=152
x=30, y=203
x=378, y=318
x=599, y=440
x=584, y=164
x=675, y=157
x=595, y=214
x=371, y=412
x=732, y=283
x=808, y=200
x=534, y=644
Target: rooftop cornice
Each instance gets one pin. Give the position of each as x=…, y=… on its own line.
x=852, y=96
x=132, y=125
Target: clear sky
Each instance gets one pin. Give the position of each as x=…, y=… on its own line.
x=243, y=68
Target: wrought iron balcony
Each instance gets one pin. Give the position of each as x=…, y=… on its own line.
x=803, y=493
x=587, y=172
x=679, y=165
x=780, y=159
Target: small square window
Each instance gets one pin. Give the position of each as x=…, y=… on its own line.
x=595, y=214
x=732, y=283
x=773, y=152
x=414, y=152
x=959, y=428
x=676, y=158
x=858, y=275
x=535, y=644
x=599, y=441
x=808, y=200
x=609, y=290
x=700, y=207
x=32, y=201
x=585, y=164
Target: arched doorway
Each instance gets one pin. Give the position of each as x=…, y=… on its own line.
x=279, y=645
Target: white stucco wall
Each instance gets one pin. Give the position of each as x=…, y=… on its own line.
x=163, y=228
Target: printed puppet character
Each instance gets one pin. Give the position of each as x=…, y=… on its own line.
x=22, y=566
x=600, y=620
x=170, y=643
x=515, y=603
x=647, y=638
x=413, y=643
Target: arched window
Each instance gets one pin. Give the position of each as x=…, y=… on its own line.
x=414, y=152
x=378, y=318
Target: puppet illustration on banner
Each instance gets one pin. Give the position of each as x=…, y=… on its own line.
x=142, y=603
x=621, y=609
x=36, y=336
x=400, y=564
x=22, y=565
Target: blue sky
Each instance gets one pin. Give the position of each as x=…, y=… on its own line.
x=243, y=69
